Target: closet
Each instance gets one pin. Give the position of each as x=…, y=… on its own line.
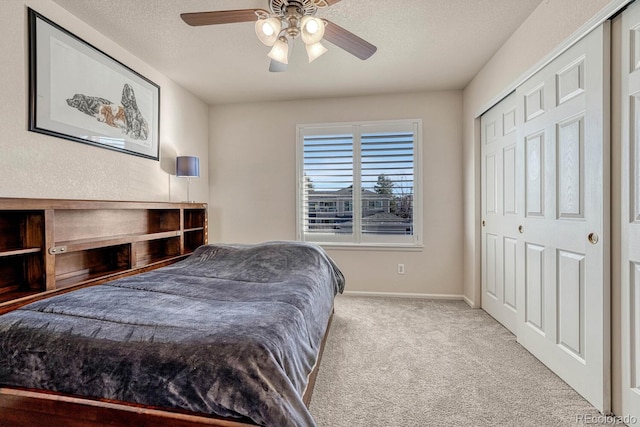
x=560, y=206
x=545, y=230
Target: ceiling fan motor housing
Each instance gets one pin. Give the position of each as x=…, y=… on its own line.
x=302, y=7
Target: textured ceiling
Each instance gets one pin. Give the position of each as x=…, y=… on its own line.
x=422, y=45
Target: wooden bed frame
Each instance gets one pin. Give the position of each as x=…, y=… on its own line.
x=44, y=252
x=29, y=407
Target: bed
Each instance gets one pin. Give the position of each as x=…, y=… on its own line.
x=229, y=336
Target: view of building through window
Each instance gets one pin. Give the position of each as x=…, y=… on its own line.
x=380, y=163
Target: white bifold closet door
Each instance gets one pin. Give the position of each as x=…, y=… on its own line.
x=500, y=216
x=630, y=195
x=552, y=237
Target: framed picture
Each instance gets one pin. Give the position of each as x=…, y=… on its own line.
x=78, y=92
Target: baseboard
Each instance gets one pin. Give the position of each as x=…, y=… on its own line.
x=468, y=301
x=404, y=295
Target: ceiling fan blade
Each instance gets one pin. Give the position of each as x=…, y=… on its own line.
x=220, y=17
x=348, y=41
x=331, y=2
x=277, y=66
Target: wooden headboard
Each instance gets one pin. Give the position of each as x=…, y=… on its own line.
x=49, y=246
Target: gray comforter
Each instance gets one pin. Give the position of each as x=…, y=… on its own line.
x=233, y=330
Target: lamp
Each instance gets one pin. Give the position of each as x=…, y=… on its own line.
x=280, y=51
x=277, y=28
x=267, y=30
x=315, y=50
x=312, y=29
x=189, y=167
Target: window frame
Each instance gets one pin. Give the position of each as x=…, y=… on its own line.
x=358, y=239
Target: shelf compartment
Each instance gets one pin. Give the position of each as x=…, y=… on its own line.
x=20, y=230
x=193, y=239
x=194, y=218
x=79, y=266
x=150, y=251
x=160, y=220
x=12, y=227
x=21, y=274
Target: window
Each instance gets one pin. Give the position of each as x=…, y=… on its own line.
x=379, y=158
x=327, y=206
x=375, y=204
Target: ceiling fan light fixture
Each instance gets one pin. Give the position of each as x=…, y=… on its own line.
x=268, y=30
x=280, y=51
x=315, y=50
x=312, y=29
x=283, y=23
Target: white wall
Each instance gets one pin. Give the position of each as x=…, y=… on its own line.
x=39, y=166
x=253, y=184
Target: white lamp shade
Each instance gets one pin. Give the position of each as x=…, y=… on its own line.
x=188, y=166
x=280, y=51
x=312, y=29
x=315, y=50
x=268, y=30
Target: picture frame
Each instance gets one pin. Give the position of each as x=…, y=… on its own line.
x=79, y=93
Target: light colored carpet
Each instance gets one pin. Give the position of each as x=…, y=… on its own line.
x=416, y=362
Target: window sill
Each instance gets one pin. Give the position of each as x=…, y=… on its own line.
x=371, y=247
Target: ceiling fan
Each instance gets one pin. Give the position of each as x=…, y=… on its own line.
x=285, y=21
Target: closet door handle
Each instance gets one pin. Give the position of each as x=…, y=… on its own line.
x=593, y=238
x=521, y=229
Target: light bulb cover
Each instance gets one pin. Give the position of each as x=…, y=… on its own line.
x=280, y=51
x=315, y=50
x=268, y=30
x=311, y=29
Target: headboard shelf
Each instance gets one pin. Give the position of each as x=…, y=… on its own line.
x=100, y=242
x=22, y=251
x=47, y=245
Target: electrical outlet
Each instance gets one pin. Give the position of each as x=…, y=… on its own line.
x=400, y=268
